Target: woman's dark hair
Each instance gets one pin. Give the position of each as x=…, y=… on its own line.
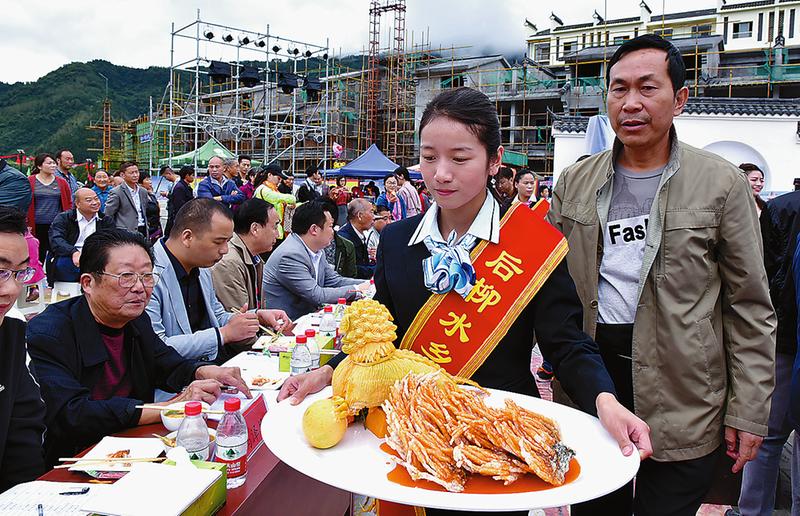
x=186, y=170
x=253, y=172
x=340, y=179
x=675, y=65
x=750, y=167
x=523, y=172
x=12, y=220
x=388, y=176
x=39, y=161
x=252, y=210
x=142, y=177
x=470, y=107
x=307, y=215
x=97, y=246
x=261, y=176
x=402, y=172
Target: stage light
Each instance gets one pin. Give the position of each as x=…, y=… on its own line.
x=325, y=56
x=308, y=53
x=299, y=136
x=227, y=38
x=260, y=43
x=208, y=128
x=278, y=134
x=255, y=131
x=276, y=49
x=296, y=51
x=235, y=130
x=208, y=34
x=244, y=40
x=319, y=138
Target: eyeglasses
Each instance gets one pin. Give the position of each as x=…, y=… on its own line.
x=129, y=279
x=20, y=276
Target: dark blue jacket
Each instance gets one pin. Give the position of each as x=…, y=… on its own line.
x=68, y=357
x=555, y=314
x=21, y=410
x=64, y=231
x=794, y=399
x=229, y=192
x=15, y=190
x=364, y=268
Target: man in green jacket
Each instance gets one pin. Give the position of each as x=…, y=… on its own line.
x=666, y=254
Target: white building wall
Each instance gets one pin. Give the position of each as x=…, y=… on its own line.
x=770, y=142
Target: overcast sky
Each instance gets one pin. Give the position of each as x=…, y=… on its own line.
x=38, y=36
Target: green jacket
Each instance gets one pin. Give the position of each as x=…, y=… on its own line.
x=345, y=257
x=704, y=330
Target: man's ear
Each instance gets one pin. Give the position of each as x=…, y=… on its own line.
x=681, y=98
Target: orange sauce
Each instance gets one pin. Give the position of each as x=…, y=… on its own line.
x=479, y=484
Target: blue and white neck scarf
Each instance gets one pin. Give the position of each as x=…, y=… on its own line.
x=449, y=267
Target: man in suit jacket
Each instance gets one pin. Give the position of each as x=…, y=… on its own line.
x=71, y=228
x=181, y=194
x=184, y=309
x=359, y=221
x=127, y=202
x=297, y=278
x=237, y=276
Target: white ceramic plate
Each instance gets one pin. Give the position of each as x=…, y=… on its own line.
x=140, y=448
x=267, y=341
x=358, y=465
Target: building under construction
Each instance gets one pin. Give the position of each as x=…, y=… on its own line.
x=278, y=99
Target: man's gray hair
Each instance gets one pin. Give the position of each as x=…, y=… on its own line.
x=357, y=206
x=230, y=163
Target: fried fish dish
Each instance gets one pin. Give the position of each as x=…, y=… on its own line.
x=442, y=432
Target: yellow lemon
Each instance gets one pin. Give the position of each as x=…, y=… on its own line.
x=323, y=425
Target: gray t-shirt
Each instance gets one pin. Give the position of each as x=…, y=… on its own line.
x=46, y=201
x=624, y=240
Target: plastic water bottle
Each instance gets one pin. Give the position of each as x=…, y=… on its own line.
x=313, y=347
x=301, y=356
x=232, y=443
x=340, y=308
x=327, y=325
x=193, y=432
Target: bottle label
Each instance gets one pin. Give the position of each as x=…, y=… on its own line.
x=201, y=454
x=234, y=457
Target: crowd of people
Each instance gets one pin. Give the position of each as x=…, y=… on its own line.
x=673, y=317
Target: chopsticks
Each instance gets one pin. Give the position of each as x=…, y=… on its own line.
x=81, y=461
x=162, y=409
x=269, y=331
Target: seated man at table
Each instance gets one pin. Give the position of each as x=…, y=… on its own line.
x=184, y=308
x=360, y=219
x=297, y=278
x=237, y=276
x=21, y=407
x=71, y=228
x=96, y=356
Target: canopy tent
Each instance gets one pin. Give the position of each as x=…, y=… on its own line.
x=373, y=164
x=207, y=151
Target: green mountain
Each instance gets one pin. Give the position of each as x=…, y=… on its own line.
x=53, y=112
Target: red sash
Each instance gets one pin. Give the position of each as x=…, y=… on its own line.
x=459, y=334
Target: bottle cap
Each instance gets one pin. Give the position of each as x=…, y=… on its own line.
x=193, y=408
x=232, y=404
x=342, y=301
x=301, y=339
x=328, y=309
x=371, y=281
x=311, y=333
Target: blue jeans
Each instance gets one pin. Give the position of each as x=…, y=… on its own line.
x=65, y=270
x=760, y=475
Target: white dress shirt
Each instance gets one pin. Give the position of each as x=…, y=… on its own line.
x=86, y=227
x=137, y=203
x=316, y=258
x=486, y=225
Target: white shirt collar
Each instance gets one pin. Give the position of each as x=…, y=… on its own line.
x=486, y=225
x=315, y=257
x=81, y=218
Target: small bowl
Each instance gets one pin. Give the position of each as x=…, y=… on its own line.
x=172, y=423
x=212, y=447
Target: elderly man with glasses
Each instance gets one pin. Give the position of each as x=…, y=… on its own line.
x=96, y=356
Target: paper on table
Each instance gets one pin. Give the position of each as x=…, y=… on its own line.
x=170, y=490
x=25, y=498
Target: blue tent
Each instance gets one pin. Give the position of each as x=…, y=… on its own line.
x=373, y=164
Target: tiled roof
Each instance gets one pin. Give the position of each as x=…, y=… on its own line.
x=571, y=27
x=570, y=123
x=459, y=65
x=687, y=14
x=742, y=106
x=621, y=20
x=758, y=3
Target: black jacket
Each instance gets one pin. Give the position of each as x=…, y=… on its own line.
x=180, y=195
x=21, y=410
x=15, y=189
x=555, y=314
x=305, y=194
x=64, y=231
x=780, y=225
x=365, y=269
x=68, y=357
